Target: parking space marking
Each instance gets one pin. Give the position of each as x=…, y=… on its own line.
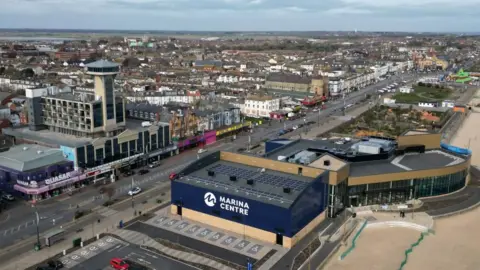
x=193, y=229
x=254, y=249
x=182, y=226
x=229, y=240
x=204, y=233
x=216, y=236
x=171, y=223
x=242, y=244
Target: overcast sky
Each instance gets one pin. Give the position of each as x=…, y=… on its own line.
x=244, y=15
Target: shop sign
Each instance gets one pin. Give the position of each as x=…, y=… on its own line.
x=232, y=128
x=32, y=184
x=59, y=178
x=228, y=204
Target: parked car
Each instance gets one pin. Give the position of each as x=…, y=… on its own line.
x=143, y=171
x=241, y=149
x=119, y=264
x=134, y=191
x=8, y=197
x=128, y=173
x=202, y=150
x=172, y=176
x=154, y=164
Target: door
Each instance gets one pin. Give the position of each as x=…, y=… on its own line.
x=179, y=210
x=279, y=239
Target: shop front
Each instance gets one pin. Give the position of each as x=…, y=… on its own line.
x=233, y=129
x=210, y=137
x=61, y=184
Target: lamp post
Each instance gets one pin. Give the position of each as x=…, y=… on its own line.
x=36, y=223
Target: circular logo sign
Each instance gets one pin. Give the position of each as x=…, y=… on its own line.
x=210, y=199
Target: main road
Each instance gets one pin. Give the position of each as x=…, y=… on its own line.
x=18, y=222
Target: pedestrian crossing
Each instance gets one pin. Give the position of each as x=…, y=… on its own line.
x=106, y=212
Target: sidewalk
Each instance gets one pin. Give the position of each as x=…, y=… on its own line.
x=108, y=224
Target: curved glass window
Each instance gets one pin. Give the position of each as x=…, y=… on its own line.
x=404, y=190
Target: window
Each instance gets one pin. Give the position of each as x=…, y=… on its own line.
x=109, y=97
x=97, y=115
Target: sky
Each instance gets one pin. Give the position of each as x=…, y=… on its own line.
x=244, y=15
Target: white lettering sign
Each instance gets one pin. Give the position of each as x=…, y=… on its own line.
x=227, y=204
x=233, y=205
x=32, y=184
x=59, y=178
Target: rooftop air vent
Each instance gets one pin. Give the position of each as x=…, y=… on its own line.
x=25, y=148
x=250, y=182
x=39, y=152
x=211, y=173
x=326, y=162
x=233, y=178
x=286, y=190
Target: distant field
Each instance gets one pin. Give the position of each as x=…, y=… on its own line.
x=177, y=35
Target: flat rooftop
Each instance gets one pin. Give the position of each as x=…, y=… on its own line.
x=409, y=162
x=267, y=188
x=431, y=159
x=56, y=138
x=27, y=157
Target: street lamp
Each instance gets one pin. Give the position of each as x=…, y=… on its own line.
x=36, y=223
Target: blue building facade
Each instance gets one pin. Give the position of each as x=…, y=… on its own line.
x=286, y=221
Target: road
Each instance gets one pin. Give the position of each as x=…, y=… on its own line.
x=19, y=221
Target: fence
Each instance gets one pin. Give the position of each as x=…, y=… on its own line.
x=354, y=240
x=410, y=249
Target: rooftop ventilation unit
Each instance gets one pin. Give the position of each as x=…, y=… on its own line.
x=211, y=173
x=286, y=190
x=39, y=152
x=250, y=182
x=233, y=178
x=25, y=148
x=326, y=162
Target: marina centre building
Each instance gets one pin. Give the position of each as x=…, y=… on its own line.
x=281, y=196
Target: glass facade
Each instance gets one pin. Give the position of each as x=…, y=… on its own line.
x=119, y=112
x=404, y=190
x=104, y=69
x=97, y=115
x=109, y=97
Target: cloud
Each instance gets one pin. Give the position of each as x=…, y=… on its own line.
x=347, y=10
x=241, y=14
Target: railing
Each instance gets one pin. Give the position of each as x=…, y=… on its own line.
x=410, y=249
x=354, y=240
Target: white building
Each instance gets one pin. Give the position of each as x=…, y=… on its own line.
x=260, y=106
